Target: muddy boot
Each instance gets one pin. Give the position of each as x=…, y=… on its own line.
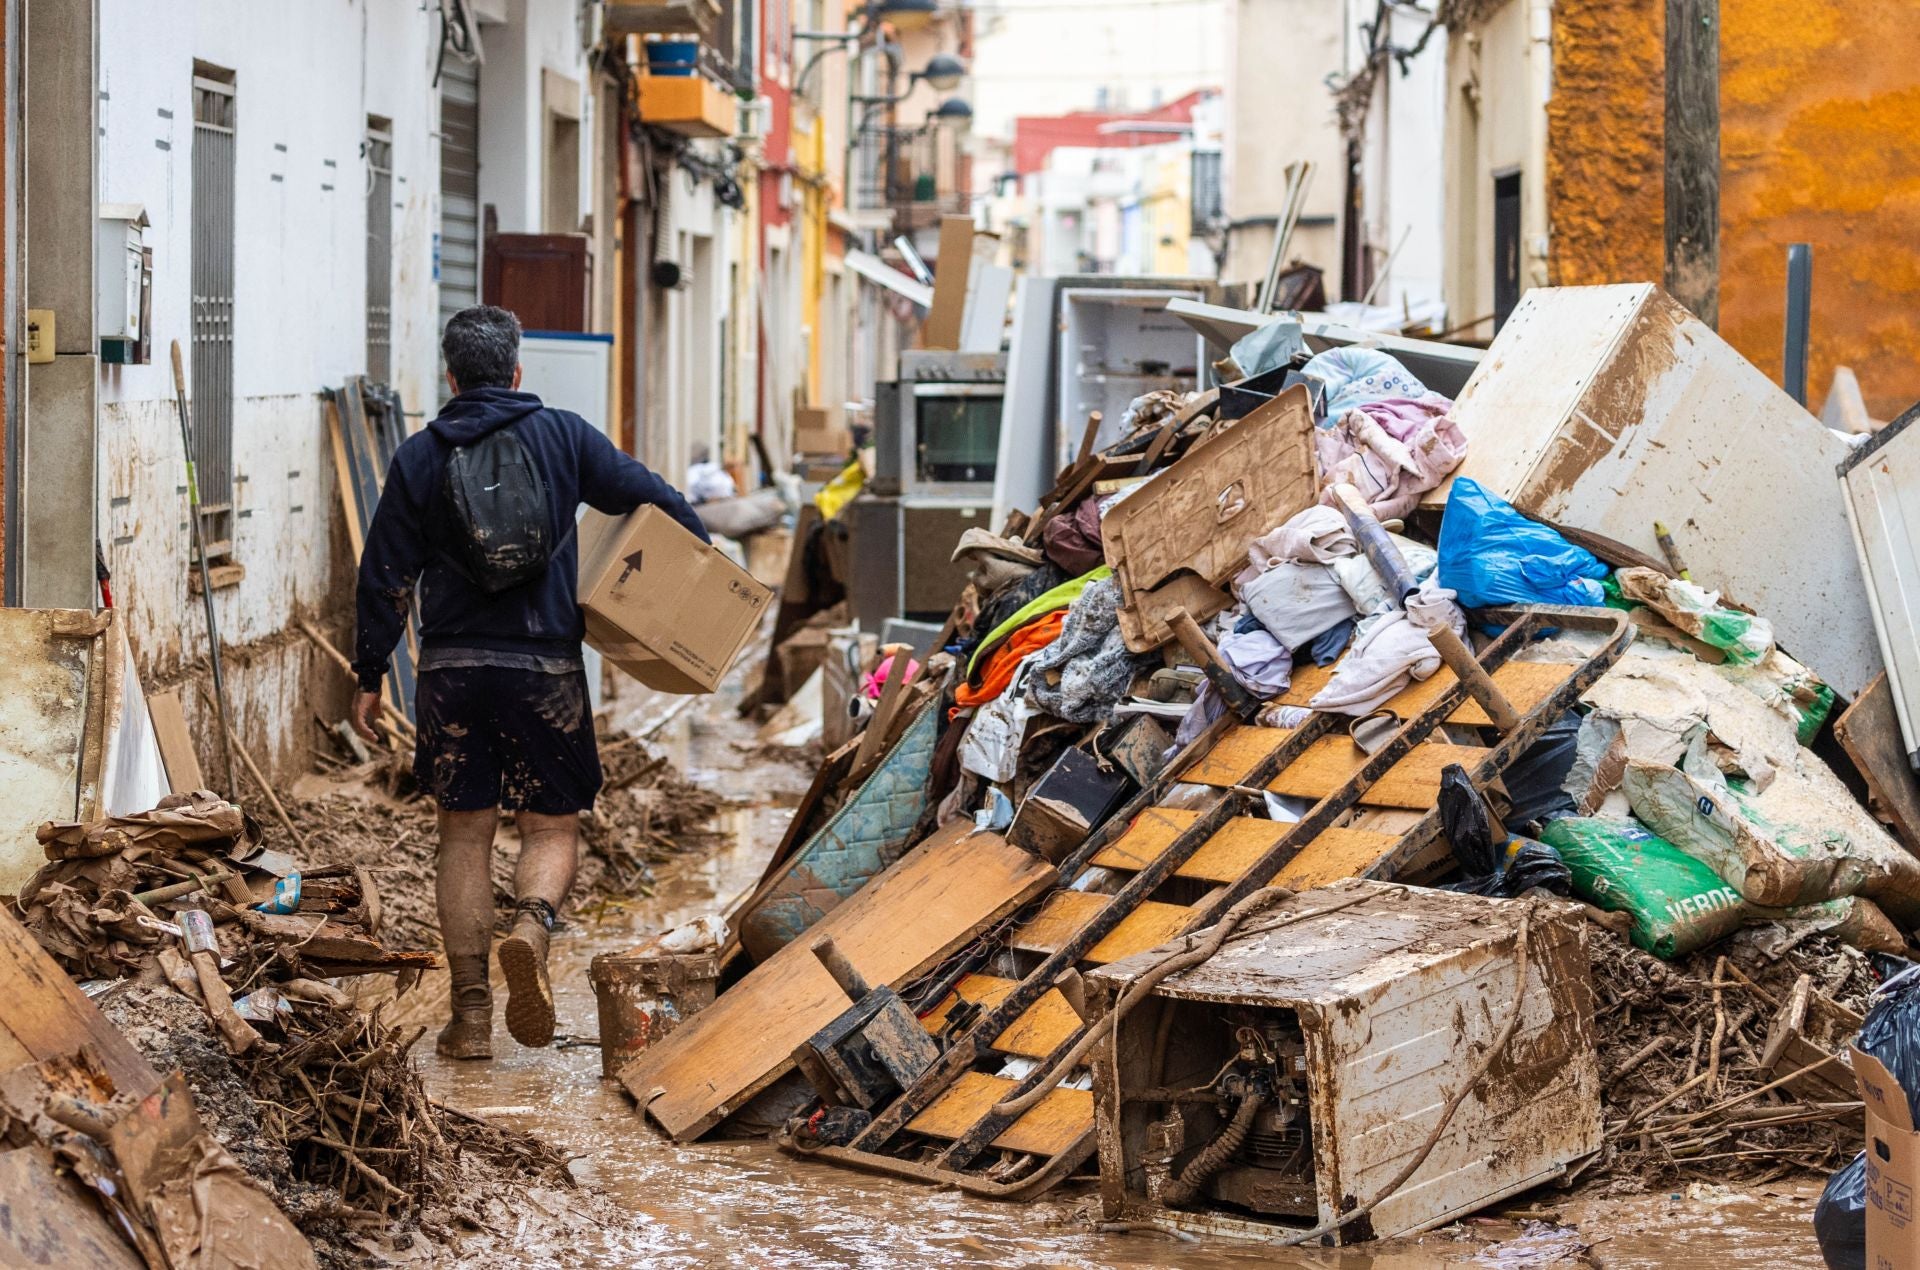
x=469, y=1034
x=523, y=959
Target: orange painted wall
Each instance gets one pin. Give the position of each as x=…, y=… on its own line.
x=1820, y=143
x=1605, y=201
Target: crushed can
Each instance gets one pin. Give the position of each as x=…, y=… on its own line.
x=643, y=995
x=285, y=897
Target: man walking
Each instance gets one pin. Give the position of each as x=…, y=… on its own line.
x=480, y=508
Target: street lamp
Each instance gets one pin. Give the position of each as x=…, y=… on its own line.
x=944, y=72
x=954, y=113
x=906, y=15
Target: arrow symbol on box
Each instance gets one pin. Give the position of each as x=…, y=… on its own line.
x=633, y=566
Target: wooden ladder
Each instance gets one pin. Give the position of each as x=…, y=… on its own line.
x=1215, y=845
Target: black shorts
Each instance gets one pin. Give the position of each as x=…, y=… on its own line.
x=491, y=736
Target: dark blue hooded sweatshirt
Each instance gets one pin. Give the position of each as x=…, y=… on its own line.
x=541, y=617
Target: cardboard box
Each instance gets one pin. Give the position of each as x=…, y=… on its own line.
x=663, y=606
x=1893, y=1168
x=820, y=430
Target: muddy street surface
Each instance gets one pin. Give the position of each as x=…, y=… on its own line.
x=749, y=1204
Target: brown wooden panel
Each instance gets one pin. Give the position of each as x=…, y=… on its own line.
x=1065, y=912
x=1870, y=734
x=176, y=742
x=1335, y=854
x=1307, y=681
x=1227, y=855
x=1237, y=752
x=933, y=899
x=1061, y=1119
x=544, y=279
x=47, y=1016
x=1151, y=833
x=1413, y=782
x=1035, y=1034
x=1526, y=683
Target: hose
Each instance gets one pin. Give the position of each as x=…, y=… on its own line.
x=1264, y=898
x=1467, y=1086
x=1173, y=963
x=1181, y=1191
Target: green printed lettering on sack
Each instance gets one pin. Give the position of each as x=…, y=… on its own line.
x=1677, y=903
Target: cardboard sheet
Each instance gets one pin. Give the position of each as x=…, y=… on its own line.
x=1176, y=540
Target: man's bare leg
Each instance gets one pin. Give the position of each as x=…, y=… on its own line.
x=463, y=892
x=549, y=854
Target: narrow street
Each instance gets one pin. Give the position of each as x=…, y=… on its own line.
x=1138, y=633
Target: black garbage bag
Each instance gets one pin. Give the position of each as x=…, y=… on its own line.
x=1468, y=825
x=1505, y=869
x=1534, y=779
x=1840, y=1218
x=1891, y=1033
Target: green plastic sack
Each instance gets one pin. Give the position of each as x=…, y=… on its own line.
x=1677, y=903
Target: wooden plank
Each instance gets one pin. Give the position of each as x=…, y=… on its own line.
x=1148, y=926
x=1692, y=146
x=1335, y=854
x=1037, y=1033
x=1227, y=855
x=1307, y=682
x=343, y=478
x=934, y=899
x=176, y=743
x=48, y=1219
x=1526, y=683
x=1151, y=833
x=1235, y=754
x=953, y=266
x=1870, y=734
x=1413, y=782
x=1059, y=1121
x=46, y=1015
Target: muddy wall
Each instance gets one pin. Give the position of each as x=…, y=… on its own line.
x=1820, y=143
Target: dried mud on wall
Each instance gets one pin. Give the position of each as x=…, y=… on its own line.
x=1820, y=143
x=1605, y=188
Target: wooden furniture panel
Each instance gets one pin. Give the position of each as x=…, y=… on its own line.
x=1413, y=782
x=1061, y=1119
x=1335, y=854
x=1035, y=1034
x=1065, y=912
x=934, y=899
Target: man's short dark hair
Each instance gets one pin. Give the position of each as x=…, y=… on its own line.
x=482, y=346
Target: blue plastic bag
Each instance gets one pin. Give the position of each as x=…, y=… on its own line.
x=1490, y=554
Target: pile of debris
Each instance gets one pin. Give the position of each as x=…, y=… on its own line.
x=222, y=959
x=1322, y=623
x=1723, y=1065
x=647, y=812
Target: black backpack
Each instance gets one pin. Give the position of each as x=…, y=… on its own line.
x=500, y=530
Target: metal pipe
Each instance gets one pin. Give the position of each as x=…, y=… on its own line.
x=200, y=554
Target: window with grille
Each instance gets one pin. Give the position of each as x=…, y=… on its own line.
x=459, y=261
x=212, y=307
x=379, y=154
x=1209, y=210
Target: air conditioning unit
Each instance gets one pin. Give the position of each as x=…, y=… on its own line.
x=756, y=118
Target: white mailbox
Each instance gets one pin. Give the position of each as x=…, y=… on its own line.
x=121, y=281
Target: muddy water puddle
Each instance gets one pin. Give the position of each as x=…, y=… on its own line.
x=748, y=1204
